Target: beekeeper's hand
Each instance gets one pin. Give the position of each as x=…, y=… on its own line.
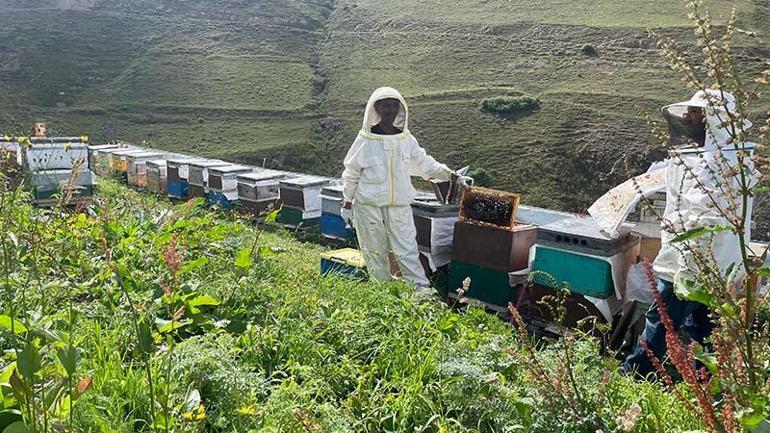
x=346, y=212
x=465, y=181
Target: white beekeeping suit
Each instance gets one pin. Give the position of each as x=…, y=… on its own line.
x=699, y=182
x=377, y=181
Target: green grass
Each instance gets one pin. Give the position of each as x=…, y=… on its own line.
x=282, y=349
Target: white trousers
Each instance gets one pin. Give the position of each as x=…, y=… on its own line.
x=384, y=229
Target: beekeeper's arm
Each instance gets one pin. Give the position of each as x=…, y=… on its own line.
x=351, y=173
x=423, y=165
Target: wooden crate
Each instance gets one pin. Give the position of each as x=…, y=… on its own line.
x=489, y=206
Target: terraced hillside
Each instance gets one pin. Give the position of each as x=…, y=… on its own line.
x=250, y=80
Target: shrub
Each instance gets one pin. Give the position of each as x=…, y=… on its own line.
x=589, y=50
x=505, y=106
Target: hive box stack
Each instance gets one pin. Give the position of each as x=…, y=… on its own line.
x=435, y=222
x=489, y=245
x=301, y=200
x=573, y=253
x=198, y=175
x=156, y=176
x=119, y=160
x=177, y=173
x=94, y=156
x=103, y=160
x=333, y=227
x=260, y=190
x=58, y=166
x=137, y=168
x=223, y=184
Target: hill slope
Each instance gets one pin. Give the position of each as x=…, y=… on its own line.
x=249, y=80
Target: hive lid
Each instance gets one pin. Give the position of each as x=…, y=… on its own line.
x=129, y=151
x=264, y=174
x=335, y=190
x=183, y=160
x=306, y=181
x=234, y=168
x=158, y=162
x=206, y=163
x=576, y=226
x=143, y=155
x=103, y=146
x=348, y=256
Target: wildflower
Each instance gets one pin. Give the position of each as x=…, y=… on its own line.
x=196, y=415
x=627, y=421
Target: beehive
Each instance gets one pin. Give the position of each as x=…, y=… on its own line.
x=119, y=158
x=579, y=273
x=432, y=219
x=58, y=156
x=346, y=261
x=492, y=247
x=487, y=285
x=261, y=186
x=303, y=192
x=582, y=235
x=137, y=167
x=331, y=199
x=225, y=178
x=94, y=155
x=293, y=217
x=156, y=176
x=198, y=174
x=48, y=183
x=178, y=169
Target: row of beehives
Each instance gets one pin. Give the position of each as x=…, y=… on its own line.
x=567, y=249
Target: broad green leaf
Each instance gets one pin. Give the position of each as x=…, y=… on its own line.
x=6, y=322
x=763, y=272
x=8, y=417
x=191, y=401
x=145, y=343
x=244, y=261
x=692, y=291
x=29, y=360
x=761, y=189
x=68, y=358
x=272, y=215
x=700, y=231
x=5, y=373
x=202, y=300
x=267, y=251
x=195, y=264
x=16, y=427
x=173, y=326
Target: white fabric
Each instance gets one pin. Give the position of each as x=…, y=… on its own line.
x=689, y=196
x=613, y=208
x=381, y=229
x=347, y=216
x=378, y=167
x=441, y=238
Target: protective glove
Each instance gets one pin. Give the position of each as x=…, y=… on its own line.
x=347, y=216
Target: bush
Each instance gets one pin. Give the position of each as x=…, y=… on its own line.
x=509, y=105
x=589, y=50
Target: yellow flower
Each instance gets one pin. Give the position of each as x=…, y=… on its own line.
x=187, y=416
x=200, y=414
x=247, y=410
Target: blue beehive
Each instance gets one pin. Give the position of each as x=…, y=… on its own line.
x=345, y=261
x=220, y=199
x=177, y=188
x=333, y=227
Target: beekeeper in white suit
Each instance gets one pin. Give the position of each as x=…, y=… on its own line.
x=702, y=190
x=378, y=189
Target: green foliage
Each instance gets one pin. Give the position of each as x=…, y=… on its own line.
x=507, y=106
x=589, y=50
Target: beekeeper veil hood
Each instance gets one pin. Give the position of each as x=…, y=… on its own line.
x=371, y=117
x=716, y=104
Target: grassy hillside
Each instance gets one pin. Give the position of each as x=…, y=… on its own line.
x=263, y=343
x=249, y=80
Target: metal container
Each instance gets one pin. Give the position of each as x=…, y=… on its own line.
x=156, y=176
x=137, y=168
x=493, y=247
x=260, y=186
x=56, y=156
x=47, y=183
x=199, y=172
x=303, y=192
x=582, y=235
x=225, y=179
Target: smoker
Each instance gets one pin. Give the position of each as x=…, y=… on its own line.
x=223, y=184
